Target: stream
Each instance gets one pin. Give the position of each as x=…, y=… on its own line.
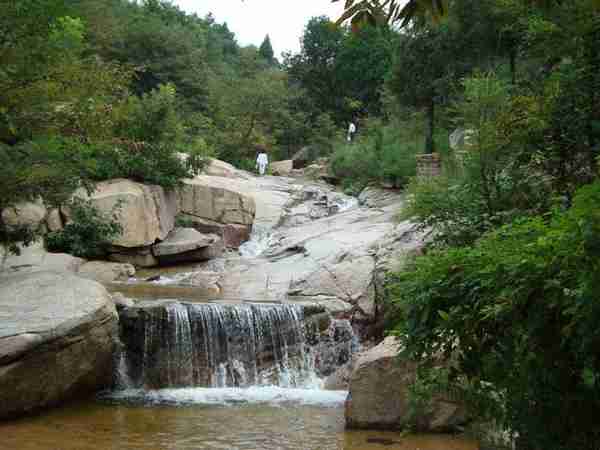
x=235, y=369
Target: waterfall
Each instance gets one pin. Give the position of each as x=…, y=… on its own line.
x=215, y=345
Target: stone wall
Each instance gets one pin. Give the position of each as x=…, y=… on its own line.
x=429, y=165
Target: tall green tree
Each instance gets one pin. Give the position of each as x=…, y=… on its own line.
x=266, y=51
x=428, y=62
x=314, y=67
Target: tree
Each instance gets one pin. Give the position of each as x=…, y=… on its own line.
x=428, y=62
x=362, y=63
x=266, y=51
x=314, y=68
x=245, y=112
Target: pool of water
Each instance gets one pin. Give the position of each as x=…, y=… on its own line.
x=186, y=419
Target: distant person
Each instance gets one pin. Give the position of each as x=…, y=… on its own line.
x=262, y=161
x=351, y=131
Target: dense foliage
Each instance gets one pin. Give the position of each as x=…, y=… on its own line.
x=383, y=154
x=88, y=233
x=507, y=292
x=519, y=309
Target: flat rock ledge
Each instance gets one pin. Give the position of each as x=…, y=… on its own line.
x=57, y=340
x=188, y=244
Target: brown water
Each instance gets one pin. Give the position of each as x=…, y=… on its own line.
x=102, y=426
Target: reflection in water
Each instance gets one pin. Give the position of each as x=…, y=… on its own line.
x=101, y=426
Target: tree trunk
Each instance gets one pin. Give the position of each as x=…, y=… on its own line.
x=429, y=143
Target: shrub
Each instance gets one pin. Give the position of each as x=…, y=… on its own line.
x=380, y=154
x=518, y=310
x=493, y=184
x=88, y=234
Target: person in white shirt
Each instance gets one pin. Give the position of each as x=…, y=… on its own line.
x=351, y=131
x=262, y=161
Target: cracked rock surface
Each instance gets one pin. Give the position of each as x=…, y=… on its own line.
x=56, y=341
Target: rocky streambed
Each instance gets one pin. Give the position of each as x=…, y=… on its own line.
x=315, y=261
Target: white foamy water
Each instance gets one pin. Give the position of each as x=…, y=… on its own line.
x=345, y=203
x=260, y=240
x=272, y=395
x=177, y=278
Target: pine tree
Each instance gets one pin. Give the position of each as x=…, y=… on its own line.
x=266, y=51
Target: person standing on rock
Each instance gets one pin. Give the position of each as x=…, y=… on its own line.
x=262, y=160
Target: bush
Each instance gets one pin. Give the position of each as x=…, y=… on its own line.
x=380, y=154
x=88, y=234
x=492, y=184
x=518, y=310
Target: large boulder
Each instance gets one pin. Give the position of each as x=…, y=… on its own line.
x=35, y=258
x=57, y=340
x=218, y=168
x=379, y=395
x=188, y=244
x=26, y=214
x=147, y=213
x=218, y=205
x=212, y=199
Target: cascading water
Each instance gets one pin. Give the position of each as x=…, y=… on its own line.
x=260, y=240
x=217, y=352
x=215, y=345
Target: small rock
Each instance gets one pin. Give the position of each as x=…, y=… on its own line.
x=282, y=168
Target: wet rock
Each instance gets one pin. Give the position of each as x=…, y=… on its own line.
x=308, y=203
x=56, y=341
x=170, y=344
x=335, y=347
x=378, y=395
x=122, y=302
x=106, y=272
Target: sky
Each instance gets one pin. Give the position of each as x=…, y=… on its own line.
x=251, y=20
